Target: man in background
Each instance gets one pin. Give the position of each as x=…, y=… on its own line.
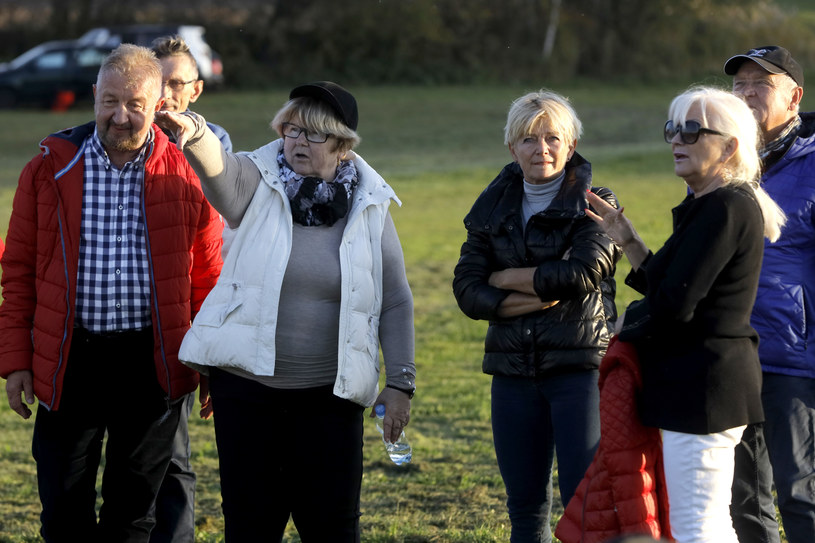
x=175, y=504
x=110, y=251
x=771, y=82
x=182, y=85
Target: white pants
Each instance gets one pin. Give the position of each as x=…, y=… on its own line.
x=699, y=477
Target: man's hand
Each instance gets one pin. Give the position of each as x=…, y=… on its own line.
x=20, y=382
x=204, y=398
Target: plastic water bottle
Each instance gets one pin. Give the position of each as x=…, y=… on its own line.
x=400, y=452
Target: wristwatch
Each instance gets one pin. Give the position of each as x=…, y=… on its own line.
x=409, y=391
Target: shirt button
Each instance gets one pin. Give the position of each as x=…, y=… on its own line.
x=118, y=271
x=118, y=306
x=121, y=207
x=119, y=239
x=528, y=332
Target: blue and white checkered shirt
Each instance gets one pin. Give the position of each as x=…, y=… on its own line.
x=113, y=284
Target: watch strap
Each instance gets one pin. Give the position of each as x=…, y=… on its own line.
x=409, y=391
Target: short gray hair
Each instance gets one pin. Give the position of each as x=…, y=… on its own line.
x=135, y=62
x=173, y=46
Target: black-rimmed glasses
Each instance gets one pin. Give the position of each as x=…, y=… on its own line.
x=293, y=131
x=177, y=84
x=688, y=133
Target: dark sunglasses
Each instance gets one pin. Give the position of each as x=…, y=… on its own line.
x=688, y=133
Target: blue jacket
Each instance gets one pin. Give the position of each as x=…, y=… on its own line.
x=784, y=312
x=222, y=134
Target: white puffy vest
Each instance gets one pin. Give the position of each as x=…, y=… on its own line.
x=235, y=327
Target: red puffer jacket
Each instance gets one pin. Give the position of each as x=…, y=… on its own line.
x=2, y=248
x=42, y=256
x=623, y=490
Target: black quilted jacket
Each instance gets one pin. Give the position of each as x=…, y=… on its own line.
x=575, y=264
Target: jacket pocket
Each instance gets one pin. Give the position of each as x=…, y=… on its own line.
x=223, y=301
x=373, y=339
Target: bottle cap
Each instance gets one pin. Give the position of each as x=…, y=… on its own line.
x=379, y=409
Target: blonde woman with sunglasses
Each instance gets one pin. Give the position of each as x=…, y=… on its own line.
x=699, y=354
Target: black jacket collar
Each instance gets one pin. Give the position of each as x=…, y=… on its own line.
x=501, y=201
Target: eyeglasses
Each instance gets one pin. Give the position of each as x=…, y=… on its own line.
x=293, y=131
x=177, y=84
x=688, y=133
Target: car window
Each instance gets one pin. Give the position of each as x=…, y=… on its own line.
x=52, y=61
x=89, y=57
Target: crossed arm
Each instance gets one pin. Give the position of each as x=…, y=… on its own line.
x=523, y=299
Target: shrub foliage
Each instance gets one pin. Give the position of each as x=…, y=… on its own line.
x=281, y=42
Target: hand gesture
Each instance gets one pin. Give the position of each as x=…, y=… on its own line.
x=182, y=126
x=610, y=219
x=618, y=228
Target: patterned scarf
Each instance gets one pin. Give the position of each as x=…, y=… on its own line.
x=315, y=201
x=774, y=150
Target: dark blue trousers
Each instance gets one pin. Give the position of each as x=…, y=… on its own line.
x=287, y=453
x=789, y=408
x=110, y=387
x=175, y=503
x=531, y=421
x=753, y=507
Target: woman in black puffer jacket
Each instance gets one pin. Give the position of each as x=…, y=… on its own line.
x=542, y=273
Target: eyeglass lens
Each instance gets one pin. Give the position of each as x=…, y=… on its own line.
x=177, y=84
x=293, y=131
x=689, y=133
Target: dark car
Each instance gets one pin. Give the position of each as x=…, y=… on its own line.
x=210, y=68
x=52, y=74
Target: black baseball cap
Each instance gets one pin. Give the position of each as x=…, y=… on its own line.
x=772, y=58
x=340, y=100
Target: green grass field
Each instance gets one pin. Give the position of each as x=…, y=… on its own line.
x=439, y=147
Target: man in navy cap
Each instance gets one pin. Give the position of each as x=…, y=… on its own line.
x=771, y=82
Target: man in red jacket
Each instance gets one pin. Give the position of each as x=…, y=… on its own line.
x=111, y=249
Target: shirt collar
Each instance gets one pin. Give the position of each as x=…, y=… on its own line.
x=99, y=152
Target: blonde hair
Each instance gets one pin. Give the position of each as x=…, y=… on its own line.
x=724, y=112
x=317, y=116
x=531, y=110
x=138, y=64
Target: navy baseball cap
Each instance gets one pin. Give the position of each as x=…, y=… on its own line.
x=772, y=58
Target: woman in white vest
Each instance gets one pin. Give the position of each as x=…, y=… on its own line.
x=313, y=281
